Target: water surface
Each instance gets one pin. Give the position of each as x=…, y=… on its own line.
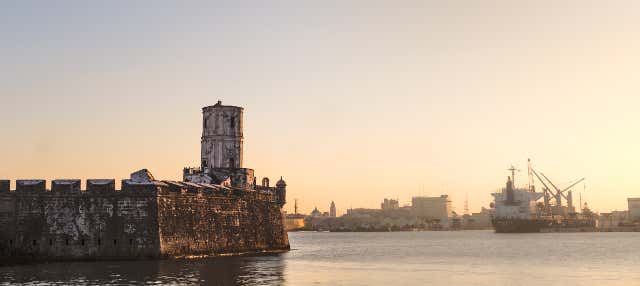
x=400, y=258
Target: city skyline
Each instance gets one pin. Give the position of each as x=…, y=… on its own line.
x=351, y=102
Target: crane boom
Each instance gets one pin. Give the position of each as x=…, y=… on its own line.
x=554, y=186
x=569, y=187
x=539, y=179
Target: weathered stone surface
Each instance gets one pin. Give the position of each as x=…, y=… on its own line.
x=65, y=186
x=142, y=176
x=101, y=185
x=222, y=137
x=148, y=220
x=31, y=185
x=198, y=224
x=71, y=226
x=5, y=186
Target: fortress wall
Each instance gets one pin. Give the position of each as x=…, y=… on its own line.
x=209, y=224
x=68, y=224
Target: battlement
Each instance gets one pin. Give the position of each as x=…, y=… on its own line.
x=5, y=186
x=101, y=185
x=31, y=186
x=65, y=186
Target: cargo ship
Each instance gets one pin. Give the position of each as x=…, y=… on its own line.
x=521, y=210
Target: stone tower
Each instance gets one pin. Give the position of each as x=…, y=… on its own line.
x=221, y=137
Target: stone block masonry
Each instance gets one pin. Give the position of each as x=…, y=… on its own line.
x=152, y=219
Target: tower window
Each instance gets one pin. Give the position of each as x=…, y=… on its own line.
x=233, y=122
x=82, y=242
x=130, y=241
x=115, y=241
x=66, y=242
x=34, y=242
x=99, y=241
x=50, y=242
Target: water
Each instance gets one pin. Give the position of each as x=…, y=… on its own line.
x=400, y=258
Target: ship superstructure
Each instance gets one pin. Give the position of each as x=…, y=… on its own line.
x=516, y=203
x=522, y=210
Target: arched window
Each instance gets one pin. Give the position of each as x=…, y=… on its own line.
x=265, y=182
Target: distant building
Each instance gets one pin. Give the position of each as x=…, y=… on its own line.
x=362, y=212
x=315, y=212
x=294, y=221
x=332, y=210
x=436, y=209
x=481, y=220
x=612, y=220
x=390, y=204
x=634, y=208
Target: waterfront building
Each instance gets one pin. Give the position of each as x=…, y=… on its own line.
x=390, y=204
x=634, y=209
x=433, y=209
x=612, y=220
x=481, y=220
x=294, y=221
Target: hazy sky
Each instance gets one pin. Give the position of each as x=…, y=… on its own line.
x=351, y=101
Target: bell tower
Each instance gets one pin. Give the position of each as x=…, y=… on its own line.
x=221, y=137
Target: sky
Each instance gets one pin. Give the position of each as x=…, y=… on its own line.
x=350, y=101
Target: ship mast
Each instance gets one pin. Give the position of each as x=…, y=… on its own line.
x=513, y=170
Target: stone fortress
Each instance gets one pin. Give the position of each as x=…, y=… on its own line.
x=217, y=209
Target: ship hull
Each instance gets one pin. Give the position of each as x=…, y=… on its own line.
x=512, y=225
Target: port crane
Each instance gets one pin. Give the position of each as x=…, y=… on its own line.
x=558, y=195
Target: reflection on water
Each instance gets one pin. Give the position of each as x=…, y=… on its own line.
x=259, y=270
x=403, y=258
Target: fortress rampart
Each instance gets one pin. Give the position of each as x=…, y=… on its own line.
x=151, y=219
x=217, y=209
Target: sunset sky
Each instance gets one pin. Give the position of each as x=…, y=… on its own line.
x=351, y=101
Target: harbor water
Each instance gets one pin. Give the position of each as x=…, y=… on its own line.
x=398, y=258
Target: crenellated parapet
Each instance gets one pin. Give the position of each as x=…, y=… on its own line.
x=5, y=186
x=97, y=186
x=140, y=183
x=30, y=186
x=65, y=186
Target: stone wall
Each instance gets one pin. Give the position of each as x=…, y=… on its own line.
x=144, y=220
x=210, y=224
x=70, y=224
